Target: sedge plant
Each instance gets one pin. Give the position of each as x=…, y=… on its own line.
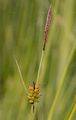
x=51, y=95
x=33, y=90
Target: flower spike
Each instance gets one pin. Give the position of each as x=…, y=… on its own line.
x=47, y=26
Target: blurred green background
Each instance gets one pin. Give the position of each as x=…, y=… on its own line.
x=21, y=34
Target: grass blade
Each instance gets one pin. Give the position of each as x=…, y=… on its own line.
x=72, y=113
x=22, y=81
x=61, y=84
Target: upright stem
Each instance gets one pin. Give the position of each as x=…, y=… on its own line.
x=40, y=65
x=46, y=30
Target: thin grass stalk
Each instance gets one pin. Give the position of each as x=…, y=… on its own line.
x=46, y=30
x=40, y=65
x=61, y=83
x=21, y=77
x=70, y=110
x=72, y=113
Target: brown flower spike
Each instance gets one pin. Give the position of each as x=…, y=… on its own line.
x=47, y=26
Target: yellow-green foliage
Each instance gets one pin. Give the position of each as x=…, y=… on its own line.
x=21, y=35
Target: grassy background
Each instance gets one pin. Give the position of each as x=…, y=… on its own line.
x=21, y=34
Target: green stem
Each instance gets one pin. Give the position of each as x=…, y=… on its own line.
x=21, y=78
x=40, y=65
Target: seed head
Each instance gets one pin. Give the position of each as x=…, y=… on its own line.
x=47, y=25
x=33, y=93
